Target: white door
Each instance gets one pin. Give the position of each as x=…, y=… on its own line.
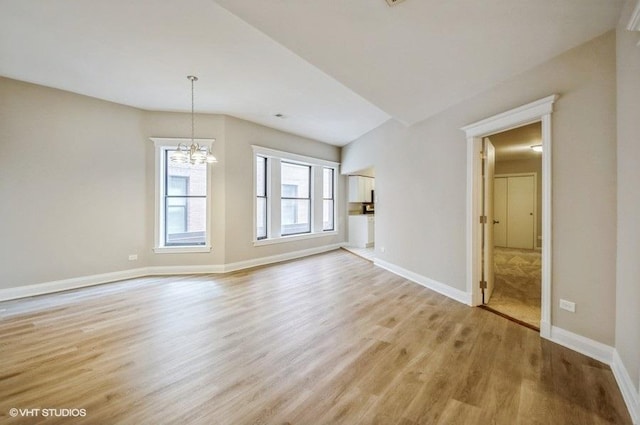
x=500, y=211
x=521, y=204
x=489, y=164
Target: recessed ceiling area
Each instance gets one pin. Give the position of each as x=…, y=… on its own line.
x=334, y=69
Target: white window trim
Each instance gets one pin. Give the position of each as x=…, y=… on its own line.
x=273, y=225
x=161, y=144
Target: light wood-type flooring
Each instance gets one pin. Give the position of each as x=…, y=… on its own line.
x=328, y=339
x=517, y=284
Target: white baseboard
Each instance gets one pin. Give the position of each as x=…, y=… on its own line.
x=630, y=395
x=588, y=347
x=446, y=290
x=79, y=282
x=255, y=262
x=66, y=284
x=605, y=354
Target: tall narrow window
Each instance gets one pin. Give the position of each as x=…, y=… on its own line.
x=261, y=197
x=184, y=203
x=328, y=202
x=295, y=198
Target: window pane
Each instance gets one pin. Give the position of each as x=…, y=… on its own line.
x=186, y=179
x=261, y=218
x=296, y=216
x=295, y=180
x=185, y=221
x=261, y=174
x=327, y=214
x=327, y=183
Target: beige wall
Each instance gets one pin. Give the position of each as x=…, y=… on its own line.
x=527, y=166
x=72, y=185
x=421, y=183
x=240, y=136
x=77, y=183
x=168, y=124
x=628, y=252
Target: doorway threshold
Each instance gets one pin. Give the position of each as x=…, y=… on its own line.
x=512, y=319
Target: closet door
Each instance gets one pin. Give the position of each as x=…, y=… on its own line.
x=520, y=209
x=514, y=207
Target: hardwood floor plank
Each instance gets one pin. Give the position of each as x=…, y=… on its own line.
x=328, y=339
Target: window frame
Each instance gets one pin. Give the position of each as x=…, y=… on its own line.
x=265, y=196
x=332, y=198
x=299, y=198
x=162, y=145
x=274, y=198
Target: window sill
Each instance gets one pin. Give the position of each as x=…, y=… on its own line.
x=181, y=249
x=294, y=238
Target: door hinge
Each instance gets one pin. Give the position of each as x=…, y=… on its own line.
x=483, y=284
x=483, y=219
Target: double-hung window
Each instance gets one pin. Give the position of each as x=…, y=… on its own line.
x=294, y=196
x=182, y=202
x=295, y=199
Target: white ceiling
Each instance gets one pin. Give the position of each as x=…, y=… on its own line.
x=336, y=69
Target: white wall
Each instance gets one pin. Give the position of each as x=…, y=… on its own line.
x=628, y=250
x=72, y=185
x=421, y=183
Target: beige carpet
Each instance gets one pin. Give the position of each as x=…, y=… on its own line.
x=517, y=284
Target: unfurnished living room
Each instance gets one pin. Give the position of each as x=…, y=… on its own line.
x=320, y=212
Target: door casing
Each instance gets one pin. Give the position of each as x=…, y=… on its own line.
x=537, y=111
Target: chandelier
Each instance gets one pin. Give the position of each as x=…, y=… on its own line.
x=194, y=154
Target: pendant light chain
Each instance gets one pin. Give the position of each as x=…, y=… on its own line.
x=194, y=154
x=193, y=125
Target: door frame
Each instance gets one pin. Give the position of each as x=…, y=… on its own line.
x=535, y=200
x=537, y=111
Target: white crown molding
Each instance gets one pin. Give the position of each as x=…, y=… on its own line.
x=634, y=21
x=441, y=288
x=513, y=118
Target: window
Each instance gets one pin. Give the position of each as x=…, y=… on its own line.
x=328, y=202
x=294, y=196
x=182, y=203
x=261, y=197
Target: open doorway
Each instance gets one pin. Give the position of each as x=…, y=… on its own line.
x=517, y=224
x=479, y=266
x=361, y=213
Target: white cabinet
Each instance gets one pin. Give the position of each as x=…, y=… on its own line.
x=362, y=230
x=360, y=188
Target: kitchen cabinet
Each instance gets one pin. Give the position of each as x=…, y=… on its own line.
x=362, y=230
x=360, y=188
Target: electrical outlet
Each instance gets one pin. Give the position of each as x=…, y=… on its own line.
x=133, y=257
x=381, y=249
x=568, y=305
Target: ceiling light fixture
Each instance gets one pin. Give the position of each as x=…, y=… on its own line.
x=194, y=154
x=537, y=148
